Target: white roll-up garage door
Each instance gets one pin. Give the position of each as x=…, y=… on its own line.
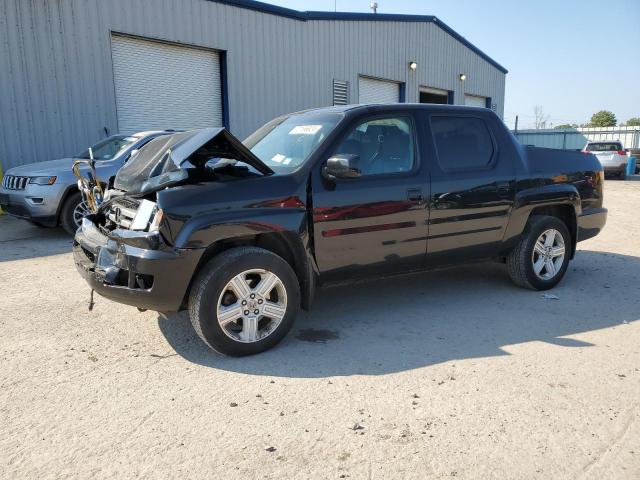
x=160, y=85
x=475, y=101
x=377, y=91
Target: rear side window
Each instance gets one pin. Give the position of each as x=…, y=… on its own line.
x=604, y=147
x=462, y=142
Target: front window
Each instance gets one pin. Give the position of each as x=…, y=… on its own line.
x=287, y=142
x=380, y=146
x=109, y=147
x=604, y=147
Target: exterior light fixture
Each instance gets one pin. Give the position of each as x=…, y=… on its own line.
x=462, y=77
x=413, y=65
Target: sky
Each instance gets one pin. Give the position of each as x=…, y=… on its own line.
x=571, y=57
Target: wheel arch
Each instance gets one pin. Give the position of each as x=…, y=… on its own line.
x=70, y=190
x=559, y=200
x=564, y=212
x=286, y=244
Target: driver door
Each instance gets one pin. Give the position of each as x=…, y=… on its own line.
x=375, y=223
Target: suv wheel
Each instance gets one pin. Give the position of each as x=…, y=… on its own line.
x=244, y=301
x=540, y=259
x=73, y=210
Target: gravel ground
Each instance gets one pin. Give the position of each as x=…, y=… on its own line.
x=446, y=374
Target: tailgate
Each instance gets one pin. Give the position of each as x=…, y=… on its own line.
x=607, y=158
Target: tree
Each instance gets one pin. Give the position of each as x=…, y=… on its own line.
x=541, y=119
x=565, y=126
x=633, y=122
x=603, y=118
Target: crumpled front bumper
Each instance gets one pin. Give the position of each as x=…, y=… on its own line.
x=134, y=268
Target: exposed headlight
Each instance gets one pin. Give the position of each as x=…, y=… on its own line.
x=155, y=224
x=43, y=180
x=147, y=215
x=143, y=215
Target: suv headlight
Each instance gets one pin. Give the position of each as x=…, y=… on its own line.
x=43, y=180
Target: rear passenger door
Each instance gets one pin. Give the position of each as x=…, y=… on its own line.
x=473, y=185
x=376, y=223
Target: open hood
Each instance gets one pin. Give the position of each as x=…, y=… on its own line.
x=163, y=160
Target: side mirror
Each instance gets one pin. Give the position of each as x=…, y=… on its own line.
x=342, y=165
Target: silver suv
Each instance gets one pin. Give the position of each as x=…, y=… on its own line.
x=46, y=193
x=612, y=156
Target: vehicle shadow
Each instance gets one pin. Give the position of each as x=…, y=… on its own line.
x=20, y=240
x=387, y=326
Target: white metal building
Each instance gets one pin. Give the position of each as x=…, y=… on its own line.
x=75, y=71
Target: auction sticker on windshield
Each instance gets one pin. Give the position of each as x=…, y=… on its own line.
x=305, y=129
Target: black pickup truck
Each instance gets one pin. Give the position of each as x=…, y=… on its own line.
x=242, y=234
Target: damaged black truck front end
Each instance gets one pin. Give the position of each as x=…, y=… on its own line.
x=129, y=250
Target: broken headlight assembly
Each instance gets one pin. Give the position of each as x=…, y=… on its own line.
x=132, y=222
x=136, y=215
x=157, y=220
x=143, y=215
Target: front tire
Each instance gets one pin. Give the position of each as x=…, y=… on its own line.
x=72, y=212
x=541, y=257
x=244, y=301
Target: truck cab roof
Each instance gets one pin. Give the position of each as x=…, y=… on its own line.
x=395, y=106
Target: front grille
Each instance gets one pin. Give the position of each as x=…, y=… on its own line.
x=11, y=182
x=122, y=211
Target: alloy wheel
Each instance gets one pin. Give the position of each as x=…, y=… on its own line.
x=252, y=305
x=548, y=254
x=79, y=212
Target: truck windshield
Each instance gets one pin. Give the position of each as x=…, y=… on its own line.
x=287, y=142
x=109, y=147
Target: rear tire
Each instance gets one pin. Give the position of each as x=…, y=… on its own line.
x=524, y=264
x=223, y=302
x=71, y=213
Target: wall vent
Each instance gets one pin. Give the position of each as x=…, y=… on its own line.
x=340, y=92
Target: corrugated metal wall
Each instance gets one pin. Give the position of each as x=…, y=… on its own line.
x=56, y=81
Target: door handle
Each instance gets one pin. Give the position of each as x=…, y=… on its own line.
x=415, y=195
